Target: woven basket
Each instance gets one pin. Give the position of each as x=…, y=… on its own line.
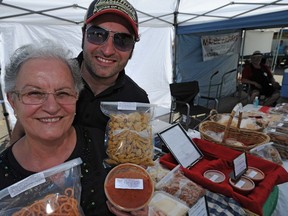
x=217, y=118
x=249, y=138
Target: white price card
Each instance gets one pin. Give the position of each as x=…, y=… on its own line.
x=239, y=165
x=127, y=183
x=127, y=106
x=199, y=208
x=27, y=183
x=180, y=145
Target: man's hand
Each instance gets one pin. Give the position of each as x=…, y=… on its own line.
x=142, y=212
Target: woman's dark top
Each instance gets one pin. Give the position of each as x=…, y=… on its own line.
x=90, y=148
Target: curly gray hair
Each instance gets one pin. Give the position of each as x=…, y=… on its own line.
x=44, y=49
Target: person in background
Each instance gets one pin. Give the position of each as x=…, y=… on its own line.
x=261, y=80
x=42, y=85
x=110, y=32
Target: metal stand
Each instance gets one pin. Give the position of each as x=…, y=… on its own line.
x=5, y=113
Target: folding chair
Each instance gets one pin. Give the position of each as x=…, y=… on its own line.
x=184, y=103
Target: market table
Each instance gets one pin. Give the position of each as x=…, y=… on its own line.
x=282, y=202
x=220, y=158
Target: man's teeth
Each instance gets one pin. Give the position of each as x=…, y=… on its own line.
x=104, y=60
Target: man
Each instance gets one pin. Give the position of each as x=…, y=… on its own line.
x=110, y=32
x=260, y=78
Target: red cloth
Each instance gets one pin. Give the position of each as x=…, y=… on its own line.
x=264, y=109
x=221, y=158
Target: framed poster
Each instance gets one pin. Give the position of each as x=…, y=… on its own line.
x=180, y=145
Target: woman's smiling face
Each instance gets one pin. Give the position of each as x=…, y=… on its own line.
x=49, y=120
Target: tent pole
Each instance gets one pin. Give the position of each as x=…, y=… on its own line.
x=275, y=56
x=5, y=113
x=175, y=24
x=242, y=52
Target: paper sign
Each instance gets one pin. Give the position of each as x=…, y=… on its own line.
x=239, y=166
x=180, y=145
x=126, y=183
x=214, y=178
x=199, y=208
x=27, y=183
x=126, y=106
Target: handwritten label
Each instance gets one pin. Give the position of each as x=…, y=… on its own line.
x=240, y=164
x=126, y=183
x=26, y=184
x=214, y=178
x=199, y=208
x=280, y=124
x=126, y=106
x=252, y=174
x=240, y=184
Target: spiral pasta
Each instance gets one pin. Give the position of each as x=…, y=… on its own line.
x=52, y=205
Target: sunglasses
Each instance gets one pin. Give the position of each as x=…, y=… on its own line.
x=122, y=41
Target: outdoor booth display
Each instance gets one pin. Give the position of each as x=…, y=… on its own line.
x=220, y=158
x=238, y=173
x=180, y=45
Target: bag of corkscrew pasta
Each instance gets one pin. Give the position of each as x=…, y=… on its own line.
x=129, y=133
x=55, y=191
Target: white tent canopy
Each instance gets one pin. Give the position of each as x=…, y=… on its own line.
x=25, y=21
x=151, y=13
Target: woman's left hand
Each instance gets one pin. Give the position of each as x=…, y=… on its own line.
x=141, y=212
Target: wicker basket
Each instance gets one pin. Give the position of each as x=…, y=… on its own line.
x=217, y=118
x=249, y=138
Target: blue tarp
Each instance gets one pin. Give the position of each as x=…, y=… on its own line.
x=271, y=20
x=189, y=64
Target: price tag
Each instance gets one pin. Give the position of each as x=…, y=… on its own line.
x=126, y=183
x=239, y=166
x=240, y=184
x=180, y=145
x=252, y=174
x=27, y=183
x=199, y=208
x=213, y=178
x=126, y=106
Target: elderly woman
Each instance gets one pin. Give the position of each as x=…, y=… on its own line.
x=42, y=86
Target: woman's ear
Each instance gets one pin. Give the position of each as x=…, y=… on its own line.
x=11, y=100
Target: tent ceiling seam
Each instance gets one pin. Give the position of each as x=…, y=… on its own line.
x=42, y=12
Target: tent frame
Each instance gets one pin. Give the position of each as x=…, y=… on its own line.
x=176, y=12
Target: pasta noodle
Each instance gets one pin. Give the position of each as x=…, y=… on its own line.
x=130, y=139
x=52, y=205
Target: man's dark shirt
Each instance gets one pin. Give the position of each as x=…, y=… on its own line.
x=88, y=112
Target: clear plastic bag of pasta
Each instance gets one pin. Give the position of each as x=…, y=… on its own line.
x=55, y=191
x=129, y=133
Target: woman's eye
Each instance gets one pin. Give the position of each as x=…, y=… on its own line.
x=35, y=94
x=62, y=94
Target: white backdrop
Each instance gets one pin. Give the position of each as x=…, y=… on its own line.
x=258, y=40
x=150, y=66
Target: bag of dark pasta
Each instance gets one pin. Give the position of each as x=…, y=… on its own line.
x=55, y=191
